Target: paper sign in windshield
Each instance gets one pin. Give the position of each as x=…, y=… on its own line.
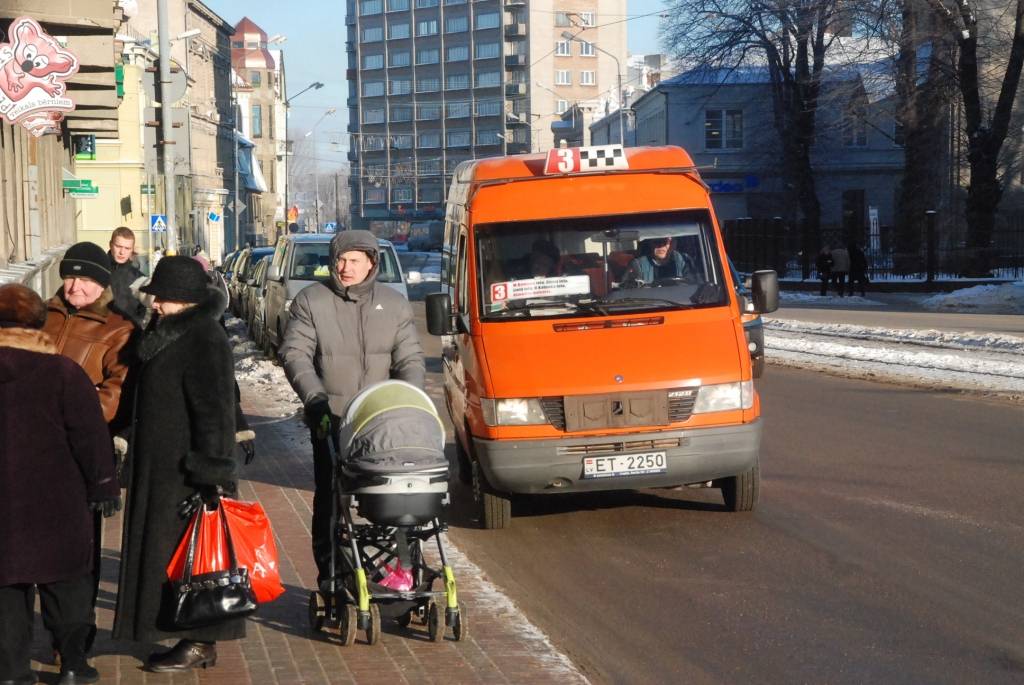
x=540, y=287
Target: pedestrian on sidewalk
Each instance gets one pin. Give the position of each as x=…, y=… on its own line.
x=342, y=336
x=184, y=444
x=840, y=269
x=125, y=272
x=58, y=464
x=858, y=268
x=823, y=265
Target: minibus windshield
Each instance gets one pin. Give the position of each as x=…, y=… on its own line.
x=597, y=266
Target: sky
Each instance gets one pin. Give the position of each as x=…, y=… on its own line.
x=315, y=51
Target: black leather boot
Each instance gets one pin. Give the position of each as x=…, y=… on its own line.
x=83, y=673
x=184, y=656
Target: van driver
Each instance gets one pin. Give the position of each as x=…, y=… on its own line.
x=659, y=261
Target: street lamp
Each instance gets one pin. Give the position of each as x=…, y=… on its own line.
x=287, y=103
x=316, y=169
x=618, y=72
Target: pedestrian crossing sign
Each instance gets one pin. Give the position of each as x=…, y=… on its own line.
x=157, y=222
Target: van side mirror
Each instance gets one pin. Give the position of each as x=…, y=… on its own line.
x=439, y=314
x=274, y=274
x=765, y=291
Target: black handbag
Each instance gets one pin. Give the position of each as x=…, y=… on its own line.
x=210, y=598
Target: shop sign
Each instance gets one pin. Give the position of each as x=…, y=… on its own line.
x=33, y=69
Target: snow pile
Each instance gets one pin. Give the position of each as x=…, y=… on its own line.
x=805, y=298
x=260, y=373
x=1007, y=298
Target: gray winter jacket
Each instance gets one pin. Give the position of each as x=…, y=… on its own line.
x=340, y=340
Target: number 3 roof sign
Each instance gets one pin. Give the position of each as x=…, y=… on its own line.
x=596, y=158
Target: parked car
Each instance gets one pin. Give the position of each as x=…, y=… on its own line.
x=303, y=259
x=243, y=271
x=253, y=289
x=227, y=263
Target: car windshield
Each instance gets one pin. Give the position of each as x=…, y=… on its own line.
x=596, y=266
x=312, y=263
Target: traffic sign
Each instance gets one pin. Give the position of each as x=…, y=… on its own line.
x=239, y=207
x=213, y=216
x=157, y=223
x=330, y=227
x=147, y=189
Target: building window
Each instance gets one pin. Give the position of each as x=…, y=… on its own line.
x=237, y=44
x=372, y=34
x=399, y=86
x=255, y=79
x=488, y=137
x=561, y=106
x=456, y=81
x=373, y=115
x=488, y=20
x=457, y=110
x=855, y=126
x=368, y=7
x=398, y=5
x=373, y=89
x=398, y=30
x=430, y=194
x=399, y=59
x=457, y=53
x=429, y=139
x=257, y=121
x=454, y=2
x=563, y=49
x=373, y=61
x=587, y=49
x=401, y=113
x=723, y=129
x=428, y=84
x=899, y=137
x=430, y=167
x=424, y=4
x=458, y=139
x=563, y=77
x=402, y=141
x=562, y=19
x=487, y=50
x=456, y=24
x=373, y=143
x=428, y=56
x=488, y=79
x=426, y=27
x=488, y=108
x=586, y=18
x=428, y=111
x=587, y=78
x=401, y=194
x=373, y=196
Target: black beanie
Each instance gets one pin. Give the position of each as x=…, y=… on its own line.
x=178, y=279
x=86, y=260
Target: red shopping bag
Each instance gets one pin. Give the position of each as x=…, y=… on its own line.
x=254, y=546
x=211, y=546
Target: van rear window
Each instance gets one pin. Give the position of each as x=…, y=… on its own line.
x=596, y=266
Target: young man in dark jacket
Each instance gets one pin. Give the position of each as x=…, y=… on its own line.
x=342, y=336
x=123, y=273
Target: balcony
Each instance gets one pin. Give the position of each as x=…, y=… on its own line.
x=517, y=30
x=350, y=46
x=353, y=154
x=513, y=89
x=515, y=147
x=515, y=3
x=516, y=119
x=513, y=61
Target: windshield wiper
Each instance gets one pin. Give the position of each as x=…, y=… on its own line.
x=650, y=301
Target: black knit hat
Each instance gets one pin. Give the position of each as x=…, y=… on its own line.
x=178, y=279
x=86, y=260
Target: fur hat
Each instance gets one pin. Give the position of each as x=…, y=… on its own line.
x=178, y=279
x=20, y=307
x=86, y=260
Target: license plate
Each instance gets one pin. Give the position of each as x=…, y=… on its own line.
x=624, y=465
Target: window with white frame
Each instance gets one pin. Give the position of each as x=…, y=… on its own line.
x=723, y=129
x=373, y=61
x=586, y=18
x=399, y=86
x=488, y=137
x=428, y=84
x=562, y=19
x=588, y=78
x=401, y=194
x=426, y=27
x=855, y=126
x=488, y=20
x=456, y=81
x=398, y=30
x=428, y=56
x=456, y=24
x=487, y=50
x=428, y=139
x=398, y=58
x=563, y=49
x=457, y=53
x=457, y=110
x=373, y=115
x=488, y=79
x=372, y=34
x=373, y=195
x=368, y=7
x=587, y=49
x=373, y=89
x=428, y=111
x=458, y=139
x=563, y=77
x=561, y=106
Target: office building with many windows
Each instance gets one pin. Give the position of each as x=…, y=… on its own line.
x=433, y=83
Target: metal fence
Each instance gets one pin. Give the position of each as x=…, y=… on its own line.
x=777, y=244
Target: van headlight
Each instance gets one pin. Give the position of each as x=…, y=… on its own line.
x=724, y=397
x=512, y=412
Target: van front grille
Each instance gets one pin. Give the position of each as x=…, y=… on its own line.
x=680, y=407
x=620, y=447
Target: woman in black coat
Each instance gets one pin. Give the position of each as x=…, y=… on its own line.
x=57, y=462
x=183, y=443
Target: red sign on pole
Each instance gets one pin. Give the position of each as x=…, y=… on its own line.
x=33, y=68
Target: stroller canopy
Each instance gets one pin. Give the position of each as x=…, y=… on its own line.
x=392, y=427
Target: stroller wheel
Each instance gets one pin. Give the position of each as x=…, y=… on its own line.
x=435, y=623
x=317, y=611
x=373, y=630
x=349, y=624
x=459, y=631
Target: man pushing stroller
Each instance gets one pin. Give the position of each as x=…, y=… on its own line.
x=344, y=335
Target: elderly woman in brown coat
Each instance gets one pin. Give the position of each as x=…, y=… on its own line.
x=57, y=464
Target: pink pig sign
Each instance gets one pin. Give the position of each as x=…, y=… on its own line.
x=33, y=68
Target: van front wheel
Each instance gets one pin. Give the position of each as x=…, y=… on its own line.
x=740, y=492
x=495, y=509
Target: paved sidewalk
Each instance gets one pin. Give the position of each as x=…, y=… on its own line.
x=502, y=646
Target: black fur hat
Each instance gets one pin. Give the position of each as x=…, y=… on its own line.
x=178, y=279
x=20, y=307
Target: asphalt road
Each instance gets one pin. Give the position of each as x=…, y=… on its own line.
x=888, y=547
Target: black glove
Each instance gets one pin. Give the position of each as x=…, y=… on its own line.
x=249, y=450
x=108, y=505
x=205, y=494
x=319, y=417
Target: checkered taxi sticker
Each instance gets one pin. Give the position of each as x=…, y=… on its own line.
x=597, y=158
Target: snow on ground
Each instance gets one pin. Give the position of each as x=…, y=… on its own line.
x=1006, y=298
x=259, y=372
x=814, y=299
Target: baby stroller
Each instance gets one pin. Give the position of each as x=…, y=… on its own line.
x=390, y=468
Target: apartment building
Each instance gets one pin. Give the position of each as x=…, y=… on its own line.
x=433, y=83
